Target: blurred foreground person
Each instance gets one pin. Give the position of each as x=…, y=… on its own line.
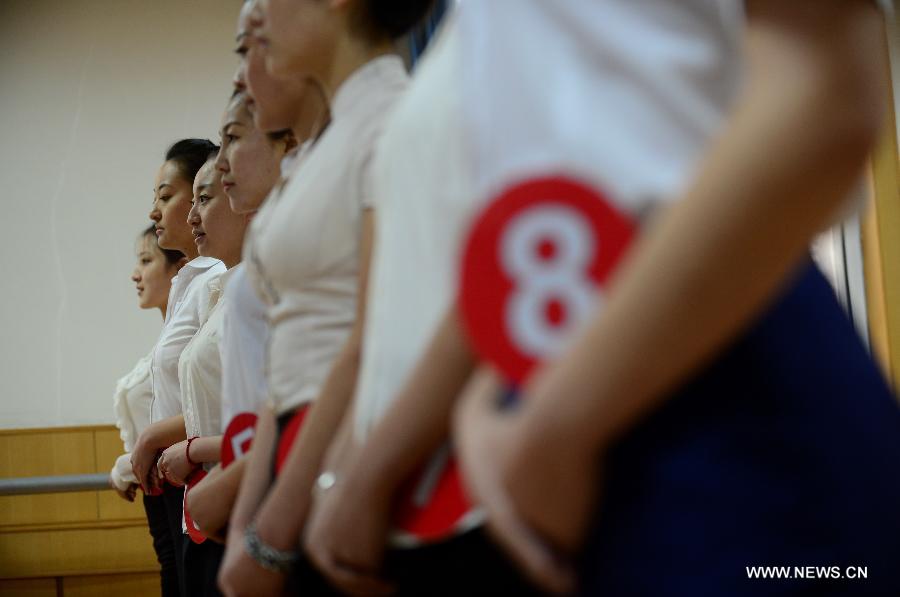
x=716, y=411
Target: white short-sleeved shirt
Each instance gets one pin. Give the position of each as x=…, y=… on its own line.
x=242, y=346
x=188, y=309
x=200, y=368
x=303, y=251
x=131, y=403
x=419, y=165
x=624, y=95
x=245, y=327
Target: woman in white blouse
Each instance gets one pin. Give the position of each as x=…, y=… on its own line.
x=153, y=278
x=308, y=256
x=250, y=161
x=187, y=307
x=218, y=232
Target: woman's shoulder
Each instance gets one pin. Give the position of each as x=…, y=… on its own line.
x=140, y=372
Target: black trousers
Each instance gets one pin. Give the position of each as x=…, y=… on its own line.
x=173, y=502
x=158, y=522
x=469, y=564
x=201, y=567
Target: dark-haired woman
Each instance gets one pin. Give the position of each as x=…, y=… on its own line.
x=308, y=254
x=249, y=161
x=153, y=278
x=188, y=306
x=218, y=232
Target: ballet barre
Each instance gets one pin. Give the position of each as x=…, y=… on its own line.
x=55, y=484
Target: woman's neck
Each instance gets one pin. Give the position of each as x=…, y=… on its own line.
x=190, y=252
x=163, y=310
x=234, y=254
x=352, y=53
x=314, y=115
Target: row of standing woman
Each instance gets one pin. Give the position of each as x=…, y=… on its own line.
x=711, y=408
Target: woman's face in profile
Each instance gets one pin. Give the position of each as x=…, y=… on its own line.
x=152, y=274
x=171, y=204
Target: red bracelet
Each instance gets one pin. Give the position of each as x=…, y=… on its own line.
x=187, y=451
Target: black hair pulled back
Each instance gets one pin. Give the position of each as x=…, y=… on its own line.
x=190, y=155
x=393, y=18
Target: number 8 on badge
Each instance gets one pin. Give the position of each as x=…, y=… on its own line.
x=533, y=270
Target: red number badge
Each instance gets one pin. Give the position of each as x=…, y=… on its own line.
x=432, y=503
x=533, y=268
x=288, y=436
x=532, y=271
x=238, y=437
x=193, y=531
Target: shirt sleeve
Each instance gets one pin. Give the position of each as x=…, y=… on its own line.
x=121, y=473
x=366, y=181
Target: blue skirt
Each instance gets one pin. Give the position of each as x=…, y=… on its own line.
x=784, y=452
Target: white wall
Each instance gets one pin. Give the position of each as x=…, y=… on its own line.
x=92, y=92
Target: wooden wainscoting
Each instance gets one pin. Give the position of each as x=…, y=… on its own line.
x=881, y=231
x=72, y=544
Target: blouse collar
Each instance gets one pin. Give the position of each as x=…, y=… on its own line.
x=357, y=85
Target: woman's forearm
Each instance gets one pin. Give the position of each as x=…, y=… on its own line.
x=710, y=263
x=166, y=432
x=211, y=500
x=206, y=449
x=419, y=419
x=283, y=513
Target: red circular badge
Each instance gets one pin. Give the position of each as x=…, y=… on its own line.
x=533, y=266
x=238, y=437
x=288, y=435
x=433, y=502
x=193, y=532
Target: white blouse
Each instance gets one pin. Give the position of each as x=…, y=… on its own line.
x=242, y=347
x=245, y=328
x=200, y=368
x=131, y=403
x=303, y=251
x=419, y=164
x=188, y=309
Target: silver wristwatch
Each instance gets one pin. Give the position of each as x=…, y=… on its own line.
x=267, y=556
